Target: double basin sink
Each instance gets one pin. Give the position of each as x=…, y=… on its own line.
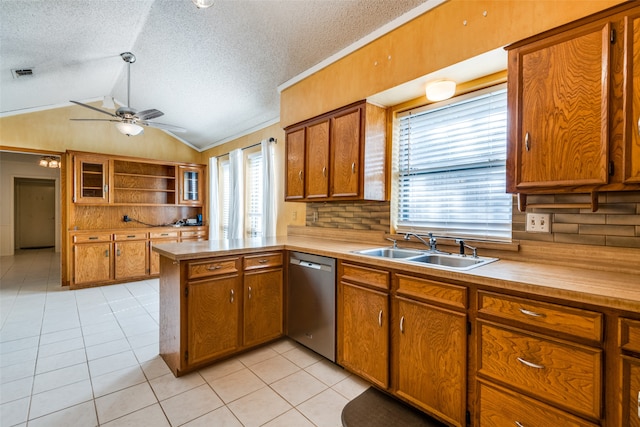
x=428, y=258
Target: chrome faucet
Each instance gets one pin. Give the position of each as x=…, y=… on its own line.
x=395, y=242
x=431, y=244
x=464, y=245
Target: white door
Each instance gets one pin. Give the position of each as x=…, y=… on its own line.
x=35, y=205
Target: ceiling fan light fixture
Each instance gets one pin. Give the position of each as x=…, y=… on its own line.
x=203, y=4
x=440, y=90
x=129, y=129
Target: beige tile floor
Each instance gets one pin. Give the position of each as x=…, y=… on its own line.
x=90, y=357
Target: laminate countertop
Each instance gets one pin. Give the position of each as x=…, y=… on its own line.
x=620, y=291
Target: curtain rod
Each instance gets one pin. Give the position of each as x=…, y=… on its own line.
x=271, y=139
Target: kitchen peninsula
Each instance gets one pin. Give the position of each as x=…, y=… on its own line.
x=581, y=323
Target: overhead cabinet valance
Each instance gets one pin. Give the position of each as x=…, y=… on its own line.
x=341, y=155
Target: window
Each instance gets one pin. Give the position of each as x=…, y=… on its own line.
x=253, y=222
x=449, y=168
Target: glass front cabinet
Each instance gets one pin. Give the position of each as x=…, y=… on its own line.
x=91, y=179
x=191, y=180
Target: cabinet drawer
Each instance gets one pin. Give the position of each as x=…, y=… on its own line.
x=566, y=374
x=192, y=234
x=97, y=237
x=630, y=335
x=252, y=262
x=212, y=267
x=163, y=234
x=444, y=293
x=365, y=276
x=130, y=236
x=500, y=407
x=573, y=321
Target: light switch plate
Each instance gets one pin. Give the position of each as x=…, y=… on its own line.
x=538, y=223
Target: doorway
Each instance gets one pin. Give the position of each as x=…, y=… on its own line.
x=35, y=213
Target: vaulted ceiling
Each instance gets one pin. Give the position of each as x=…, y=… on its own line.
x=214, y=72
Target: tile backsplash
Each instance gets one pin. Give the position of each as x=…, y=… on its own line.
x=616, y=223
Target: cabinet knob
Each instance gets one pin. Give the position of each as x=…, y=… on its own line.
x=402, y=324
x=300, y=176
x=118, y=252
x=526, y=142
x=380, y=318
x=324, y=171
x=529, y=364
x=249, y=292
x=106, y=253
x=353, y=167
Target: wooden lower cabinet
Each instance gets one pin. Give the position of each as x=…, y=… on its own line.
x=631, y=391
x=501, y=407
x=431, y=359
x=92, y=262
x=364, y=332
x=131, y=255
x=157, y=238
x=213, y=317
x=263, y=306
x=215, y=307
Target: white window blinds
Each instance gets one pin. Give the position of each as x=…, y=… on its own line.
x=450, y=176
x=254, y=195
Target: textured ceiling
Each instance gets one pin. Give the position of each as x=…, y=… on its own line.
x=214, y=72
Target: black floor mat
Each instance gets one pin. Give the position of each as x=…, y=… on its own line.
x=374, y=408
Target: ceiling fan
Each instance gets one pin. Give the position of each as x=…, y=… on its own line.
x=128, y=120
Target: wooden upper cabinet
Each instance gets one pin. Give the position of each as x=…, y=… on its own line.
x=345, y=157
x=295, y=164
x=632, y=99
x=559, y=96
x=574, y=106
x=91, y=179
x=317, y=160
x=191, y=180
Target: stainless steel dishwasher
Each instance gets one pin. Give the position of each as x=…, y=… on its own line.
x=311, y=302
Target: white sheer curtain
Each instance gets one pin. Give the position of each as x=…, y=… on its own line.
x=236, y=194
x=268, y=189
x=214, y=207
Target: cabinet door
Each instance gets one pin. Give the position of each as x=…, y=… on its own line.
x=130, y=259
x=432, y=359
x=295, y=148
x=562, y=112
x=213, y=310
x=346, y=137
x=92, y=263
x=91, y=179
x=364, y=332
x=632, y=90
x=631, y=392
x=191, y=180
x=154, y=257
x=317, y=160
x=263, y=306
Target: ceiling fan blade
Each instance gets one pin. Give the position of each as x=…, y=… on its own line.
x=162, y=126
x=149, y=114
x=95, y=120
x=95, y=109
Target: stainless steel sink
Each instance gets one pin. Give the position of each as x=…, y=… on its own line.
x=390, y=253
x=436, y=260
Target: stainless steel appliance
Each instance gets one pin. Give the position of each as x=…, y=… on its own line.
x=311, y=305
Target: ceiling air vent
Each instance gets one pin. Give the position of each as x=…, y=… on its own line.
x=19, y=73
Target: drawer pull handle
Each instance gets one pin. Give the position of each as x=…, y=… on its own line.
x=531, y=313
x=353, y=167
x=324, y=172
x=249, y=292
x=639, y=404
x=164, y=234
x=262, y=261
x=529, y=364
x=93, y=238
x=519, y=424
x=232, y=296
x=300, y=176
x=527, y=146
x=106, y=253
x=380, y=318
x=215, y=267
x=118, y=252
x=131, y=236
x=402, y=324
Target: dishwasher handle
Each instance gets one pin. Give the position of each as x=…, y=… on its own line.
x=308, y=264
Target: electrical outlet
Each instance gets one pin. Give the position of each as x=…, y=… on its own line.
x=538, y=223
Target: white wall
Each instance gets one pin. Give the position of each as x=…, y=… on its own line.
x=14, y=166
